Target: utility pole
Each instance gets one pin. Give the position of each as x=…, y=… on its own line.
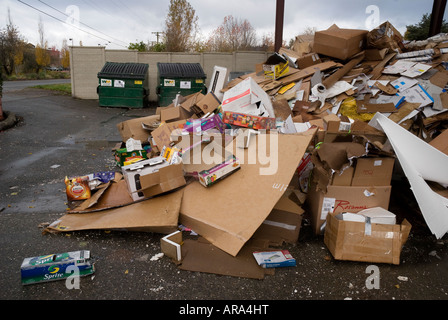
x=279, y=13
x=438, y=9
x=157, y=33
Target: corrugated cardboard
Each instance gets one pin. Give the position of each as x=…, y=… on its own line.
x=202, y=256
x=229, y=213
x=208, y=103
x=343, y=178
x=373, y=171
x=170, y=114
x=441, y=142
x=283, y=223
x=113, y=194
x=344, y=199
x=165, y=179
x=249, y=98
x=308, y=60
x=385, y=36
x=163, y=134
x=339, y=43
x=275, y=66
x=133, y=172
x=171, y=245
x=347, y=240
x=133, y=128
x=158, y=214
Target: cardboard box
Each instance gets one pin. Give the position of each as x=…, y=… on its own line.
x=375, y=54
x=217, y=81
x=122, y=155
x=343, y=178
x=135, y=128
x=249, y=98
x=55, y=266
x=209, y=103
x=385, y=36
x=248, y=121
x=199, y=125
x=165, y=179
x=373, y=171
x=308, y=60
x=339, y=43
x=219, y=172
x=276, y=66
x=170, y=114
x=344, y=199
x=133, y=172
x=171, y=245
x=336, y=124
x=360, y=241
x=162, y=136
x=274, y=259
x=283, y=223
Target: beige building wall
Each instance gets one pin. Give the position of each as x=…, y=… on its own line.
x=86, y=62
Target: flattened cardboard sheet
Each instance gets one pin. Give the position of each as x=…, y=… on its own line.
x=159, y=214
x=228, y=213
x=200, y=255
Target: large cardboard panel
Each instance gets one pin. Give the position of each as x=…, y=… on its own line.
x=228, y=213
x=158, y=214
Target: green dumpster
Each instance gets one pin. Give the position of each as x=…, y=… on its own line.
x=123, y=85
x=179, y=78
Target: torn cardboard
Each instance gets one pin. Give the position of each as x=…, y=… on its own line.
x=158, y=214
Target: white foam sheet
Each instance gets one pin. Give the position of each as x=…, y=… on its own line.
x=421, y=162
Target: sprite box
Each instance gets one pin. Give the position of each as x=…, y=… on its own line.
x=56, y=266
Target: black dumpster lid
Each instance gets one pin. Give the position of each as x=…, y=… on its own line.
x=180, y=70
x=124, y=70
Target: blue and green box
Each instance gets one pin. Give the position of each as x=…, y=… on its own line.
x=56, y=266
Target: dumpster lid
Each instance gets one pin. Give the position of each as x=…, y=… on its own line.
x=124, y=70
x=180, y=70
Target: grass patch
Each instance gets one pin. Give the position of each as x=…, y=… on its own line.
x=65, y=88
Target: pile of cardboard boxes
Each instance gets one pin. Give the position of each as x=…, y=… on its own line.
x=308, y=134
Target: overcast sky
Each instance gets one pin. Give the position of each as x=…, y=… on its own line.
x=116, y=23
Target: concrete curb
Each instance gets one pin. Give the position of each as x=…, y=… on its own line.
x=9, y=121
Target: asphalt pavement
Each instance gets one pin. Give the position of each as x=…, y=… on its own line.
x=58, y=136
x=11, y=86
